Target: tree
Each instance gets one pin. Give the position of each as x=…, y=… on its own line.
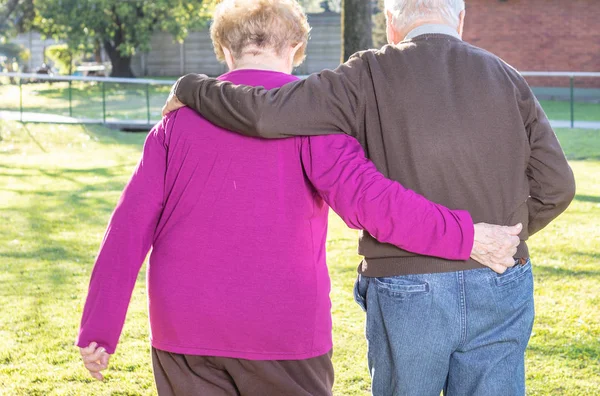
x=356, y=26
x=7, y=7
x=15, y=16
x=121, y=27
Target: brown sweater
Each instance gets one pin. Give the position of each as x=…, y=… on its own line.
x=446, y=119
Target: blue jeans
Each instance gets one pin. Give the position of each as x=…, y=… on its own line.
x=463, y=333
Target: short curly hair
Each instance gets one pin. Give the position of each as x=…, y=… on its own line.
x=262, y=24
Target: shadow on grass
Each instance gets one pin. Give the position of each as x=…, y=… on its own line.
x=67, y=174
x=99, y=134
x=37, y=143
x=592, y=255
x=51, y=213
x=571, y=349
x=544, y=271
x=104, y=135
x=587, y=198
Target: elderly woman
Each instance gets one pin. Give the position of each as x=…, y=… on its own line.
x=238, y=287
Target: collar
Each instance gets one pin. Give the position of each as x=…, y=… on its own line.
x=432, y=29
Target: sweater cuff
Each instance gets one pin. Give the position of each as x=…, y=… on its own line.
x=468, y=234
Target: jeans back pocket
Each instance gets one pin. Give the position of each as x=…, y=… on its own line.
x=402, y=286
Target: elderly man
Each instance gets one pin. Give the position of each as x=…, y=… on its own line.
x=458, y=125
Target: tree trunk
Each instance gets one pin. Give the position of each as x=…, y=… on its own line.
x=98, y=52
x=356, y=27
x=121, y=65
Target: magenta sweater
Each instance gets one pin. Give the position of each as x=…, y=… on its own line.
x=238, y=227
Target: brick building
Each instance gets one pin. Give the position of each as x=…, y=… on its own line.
x=539, y=35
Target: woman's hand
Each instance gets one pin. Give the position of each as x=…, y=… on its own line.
x=95, y=360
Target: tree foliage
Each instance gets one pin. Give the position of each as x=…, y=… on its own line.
x=7, y=7
x=62, y=56
x=15, y=16
x=14, y=51
x=121, y=27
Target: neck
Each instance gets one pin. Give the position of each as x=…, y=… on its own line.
x=262, y=61
x=433, y=21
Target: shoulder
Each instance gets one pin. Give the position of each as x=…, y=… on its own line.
x=182, y=115
x=495, y=60
x=179, y=123
x=522, y=91
x=365, y=56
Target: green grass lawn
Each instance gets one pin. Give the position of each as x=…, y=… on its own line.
x=128, y=101
x=59, y=184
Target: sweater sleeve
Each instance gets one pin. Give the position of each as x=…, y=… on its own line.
x=551, y=180
x=126, y=243
x=324, y=103
x=365, y=199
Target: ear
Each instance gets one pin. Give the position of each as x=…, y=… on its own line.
x=390, y=29
x=461, y=22
x=229, y=58
x=294, y=51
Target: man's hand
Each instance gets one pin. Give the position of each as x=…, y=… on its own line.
x=95, y=360
x=172, y=103
x=495, y=246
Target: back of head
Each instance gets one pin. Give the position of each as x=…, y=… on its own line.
x=407, y=12
x=270, y=25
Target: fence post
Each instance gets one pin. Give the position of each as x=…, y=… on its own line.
x=572, y=102
x=70, y=99
x=21, y=98
x=148, y=102
x=103, y=102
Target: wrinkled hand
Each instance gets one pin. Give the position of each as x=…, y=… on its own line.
x=95, y=360
x=172, y=104
x=495, y=246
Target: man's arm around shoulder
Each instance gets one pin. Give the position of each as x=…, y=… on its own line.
x=322, y=104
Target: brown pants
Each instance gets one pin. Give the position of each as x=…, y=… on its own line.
x=189, y=375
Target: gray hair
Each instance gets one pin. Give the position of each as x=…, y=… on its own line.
x=406, y=12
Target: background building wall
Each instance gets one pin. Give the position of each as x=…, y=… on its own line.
x=36, y=45
x=539, y=35
x=196, y=55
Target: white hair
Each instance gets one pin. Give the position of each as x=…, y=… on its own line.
x=406, y=12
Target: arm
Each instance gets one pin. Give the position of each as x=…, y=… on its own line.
x=365, y=199
x=551, y=181
x=324, y=103
x=126, y=243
